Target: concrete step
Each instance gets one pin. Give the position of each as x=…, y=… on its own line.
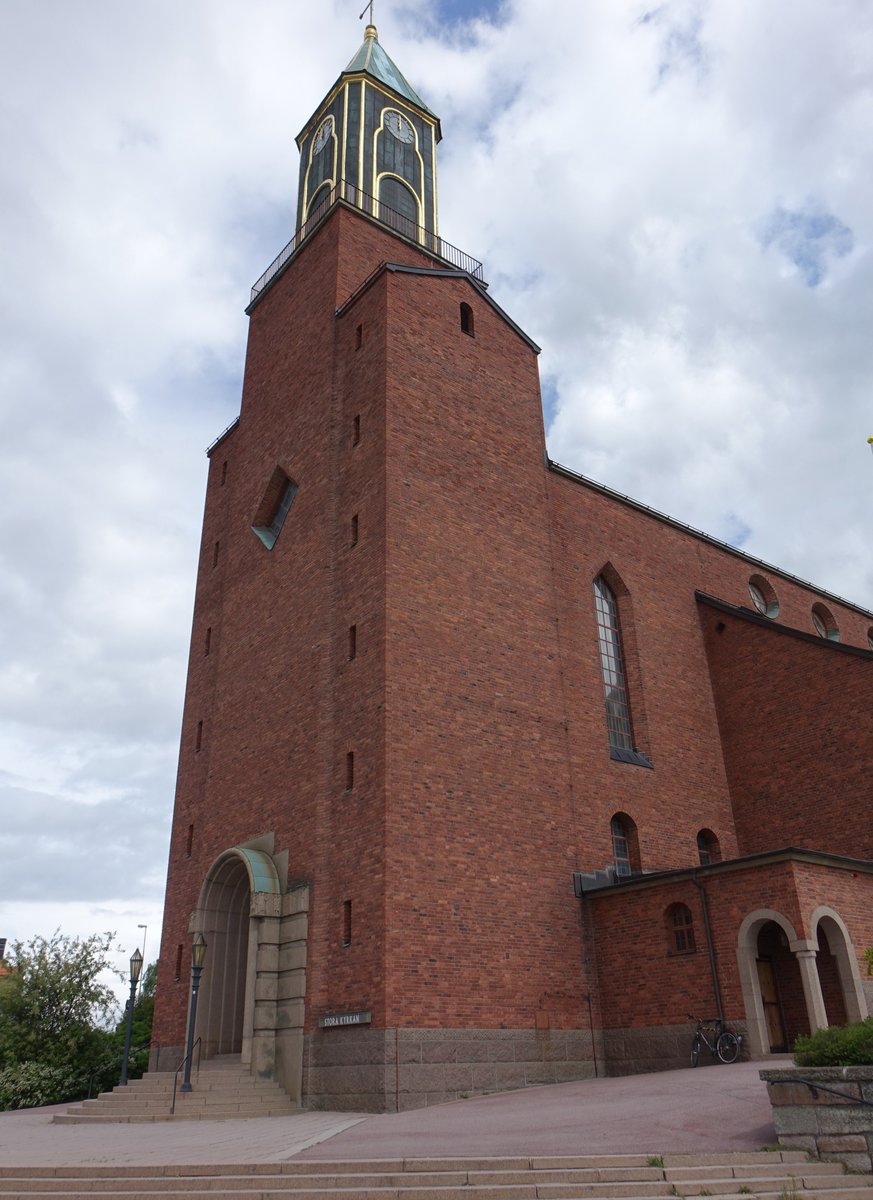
x=783, y=1175
x=218, y=1092
x=282, y=1188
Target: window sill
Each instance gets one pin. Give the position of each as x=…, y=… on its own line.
x=634, y=757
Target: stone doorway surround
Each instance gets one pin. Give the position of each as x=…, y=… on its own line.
x=254, y=980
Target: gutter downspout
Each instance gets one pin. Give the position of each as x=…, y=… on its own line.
x=712, y=963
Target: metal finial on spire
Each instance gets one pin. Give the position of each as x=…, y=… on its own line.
x=368, y=7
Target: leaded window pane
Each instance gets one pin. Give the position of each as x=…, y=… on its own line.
x=618, y=721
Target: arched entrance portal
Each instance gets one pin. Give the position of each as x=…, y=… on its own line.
x=781, y=988
x=225, y=907
x=240, y=895
x=252, y=996
x=781, y=991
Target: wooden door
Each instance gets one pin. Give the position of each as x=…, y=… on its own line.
x=772, y=1005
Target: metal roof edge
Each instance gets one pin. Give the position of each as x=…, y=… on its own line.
x=567, y=472
x=212, y=445
x=755, y=618
x=455, y=272
x=840, y=862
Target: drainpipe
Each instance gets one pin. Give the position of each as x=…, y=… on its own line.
x=712, y=964
x=593, y=1041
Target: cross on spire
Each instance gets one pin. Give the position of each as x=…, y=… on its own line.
x=366, y=8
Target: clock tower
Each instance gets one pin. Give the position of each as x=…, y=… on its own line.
x=355, y=833
x=372, y=141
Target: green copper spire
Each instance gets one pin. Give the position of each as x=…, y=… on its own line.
x=373, y=60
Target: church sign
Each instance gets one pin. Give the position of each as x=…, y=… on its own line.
x=335, y=1020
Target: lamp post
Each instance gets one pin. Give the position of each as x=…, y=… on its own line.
x=135, y=971
x=198, y=953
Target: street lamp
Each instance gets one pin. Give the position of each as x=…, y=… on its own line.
x=135, y=971
x=198, y=953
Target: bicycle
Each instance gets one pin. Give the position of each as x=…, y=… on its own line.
x=725, y=1043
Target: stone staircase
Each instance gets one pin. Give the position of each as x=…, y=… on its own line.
x=222, y=1088
x=781, y=1175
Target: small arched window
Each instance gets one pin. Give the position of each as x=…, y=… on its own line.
x=467, y=325
x=708, y=847
x=680, y=929
x=764, y=597
x=825, y=623
x=625, y=846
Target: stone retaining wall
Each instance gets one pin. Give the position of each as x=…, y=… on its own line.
x=826, y=1115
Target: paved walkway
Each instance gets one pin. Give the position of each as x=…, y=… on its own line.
x=710, y=1109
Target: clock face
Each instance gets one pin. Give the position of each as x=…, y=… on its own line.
x=399, y=127
x=325, y=131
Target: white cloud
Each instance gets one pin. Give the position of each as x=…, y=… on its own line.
x=643, y=182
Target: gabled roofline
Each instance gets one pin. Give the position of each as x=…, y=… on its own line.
x=557, y=469
x=436, y=273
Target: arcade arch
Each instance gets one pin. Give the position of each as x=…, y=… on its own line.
x=794, y=985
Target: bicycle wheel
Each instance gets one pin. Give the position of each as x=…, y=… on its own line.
x=695, y=1050
x=727, y=1047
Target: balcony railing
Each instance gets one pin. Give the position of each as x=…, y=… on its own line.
x=407, y=228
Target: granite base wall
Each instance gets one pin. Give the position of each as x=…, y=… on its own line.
x=379, y=1070
x=655, y=1048
x=827, y=1111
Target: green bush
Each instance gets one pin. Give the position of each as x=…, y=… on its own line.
x=837, y=1046
x=30, y=1084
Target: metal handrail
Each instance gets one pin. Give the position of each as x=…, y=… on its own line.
x=196, y=1047
x=365, y=203
x=815, y=1087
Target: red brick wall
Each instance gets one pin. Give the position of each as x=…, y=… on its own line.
x=474, y=706
x=796, y=721
x=280, y=703
x=672, y=700
x=644, y=983
x=481, y=833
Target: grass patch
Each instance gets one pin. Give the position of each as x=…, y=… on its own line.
x=655, y=1160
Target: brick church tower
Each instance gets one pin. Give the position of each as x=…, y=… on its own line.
x=394, y=754
x=360, y=805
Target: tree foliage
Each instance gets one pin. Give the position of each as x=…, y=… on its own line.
x=56, y=1019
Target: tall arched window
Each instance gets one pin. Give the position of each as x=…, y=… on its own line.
x=612, y=666
x=467, y=325
x=319, y=203
x=398, y=206
x=618, y=712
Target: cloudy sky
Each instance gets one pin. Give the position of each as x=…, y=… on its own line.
x=673, y=199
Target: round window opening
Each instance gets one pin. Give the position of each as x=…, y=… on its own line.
x=825, y=623
x=764, y=598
